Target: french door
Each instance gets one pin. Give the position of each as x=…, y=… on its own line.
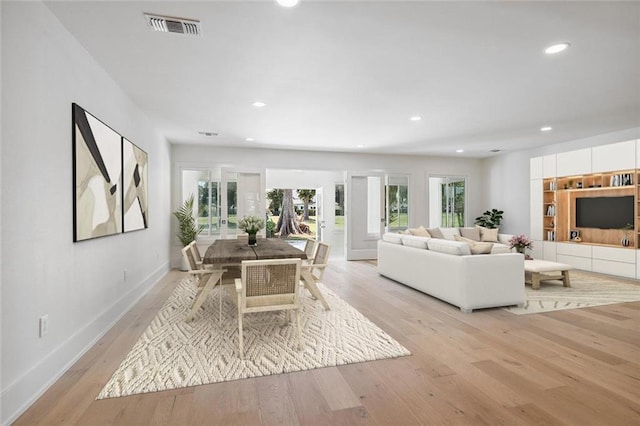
x=365, y=214
x=447, y=201
x=222, y=197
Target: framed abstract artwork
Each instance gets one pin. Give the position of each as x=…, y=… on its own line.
x=135, y=202
x=97, y=177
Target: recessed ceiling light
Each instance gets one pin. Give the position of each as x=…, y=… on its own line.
x=545, y=128
x=288, y=3
x=259, y=104
x=556, y=48
x=250, y=139
x=415, y=118
x=459, y=151
x=360, y=146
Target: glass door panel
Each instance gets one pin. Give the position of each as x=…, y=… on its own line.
x=397, y=202
x=447, y=201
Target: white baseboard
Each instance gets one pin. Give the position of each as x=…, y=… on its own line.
x=19, y=395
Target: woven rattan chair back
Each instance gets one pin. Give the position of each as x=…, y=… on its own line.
x=309, y=247
x=268, y=285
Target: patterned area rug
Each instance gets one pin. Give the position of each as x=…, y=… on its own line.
x=586, y=290
x=172, y=353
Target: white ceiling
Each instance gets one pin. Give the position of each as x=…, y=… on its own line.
x=336, y=74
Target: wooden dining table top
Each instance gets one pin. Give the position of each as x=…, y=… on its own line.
x=229, y=252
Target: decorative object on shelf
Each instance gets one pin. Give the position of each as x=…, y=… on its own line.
x=490, y=219
x=574, y=234
x=521, y=243
x=625, y=239
x=579, y=185
x=570, y=183
x=251, y=225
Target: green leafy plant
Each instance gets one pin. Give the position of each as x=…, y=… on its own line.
x=271, y=227
x=490, y=218
x=188, y=229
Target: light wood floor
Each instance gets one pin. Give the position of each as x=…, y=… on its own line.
x=577, y=367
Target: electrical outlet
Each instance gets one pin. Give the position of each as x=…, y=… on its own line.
x=44, y=325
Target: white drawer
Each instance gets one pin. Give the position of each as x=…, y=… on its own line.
x=614, y=268
x=614, y=254
x=572, y=249
x=582, y=263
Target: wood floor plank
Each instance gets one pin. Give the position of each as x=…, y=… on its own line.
x=335, y=390
x=276, y=403
x=489, y=367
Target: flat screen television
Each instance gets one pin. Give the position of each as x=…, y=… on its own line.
x=604, y=212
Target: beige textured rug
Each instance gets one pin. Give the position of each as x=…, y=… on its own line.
x=586, y=290
x=172, y=353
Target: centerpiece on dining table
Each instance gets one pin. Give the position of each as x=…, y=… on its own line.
x=251, y=225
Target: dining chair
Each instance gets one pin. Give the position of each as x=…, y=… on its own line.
x=206, y=280
x=313, y=273
x=197, y=257
x=309, y=247
x=268, y=285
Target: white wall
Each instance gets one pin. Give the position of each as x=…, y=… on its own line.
x=81, y=286
x=507, y=181
x=418, y=168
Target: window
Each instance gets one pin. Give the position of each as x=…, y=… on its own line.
x=339, y=209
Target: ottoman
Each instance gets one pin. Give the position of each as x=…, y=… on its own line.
x=534, y=268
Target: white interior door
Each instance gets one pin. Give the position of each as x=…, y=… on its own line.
x=365, y=214
x=320, y=223
x=242, y=194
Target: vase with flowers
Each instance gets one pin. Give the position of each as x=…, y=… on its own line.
x=521, y=243
x=251, y=225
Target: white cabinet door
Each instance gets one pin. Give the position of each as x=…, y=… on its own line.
x=612, y=157
x=549, y=166
x=535, y=168
x=536, y=207
x=574, y=162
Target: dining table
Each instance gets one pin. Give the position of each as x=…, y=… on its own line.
x=231, y=252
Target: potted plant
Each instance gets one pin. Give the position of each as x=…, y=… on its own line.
x=251, y=225
x=188, y=229
x=490, y=218
x=521, y=243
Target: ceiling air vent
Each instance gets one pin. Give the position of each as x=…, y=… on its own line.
x=167, y=24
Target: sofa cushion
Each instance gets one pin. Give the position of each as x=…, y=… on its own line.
x=415, y=241
x=450, y=233
x=470, y=233
x=499, y=248
x=476, y=247
x=420, y=231
x=436, y=233
x=450, y=247
x=487, y=234
x=390, y=237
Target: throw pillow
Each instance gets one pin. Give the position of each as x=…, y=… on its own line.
x=470, y=233
x=436, y=233
x=420, y=231
x=487, y=234
x=476, y=247
x=481, y=248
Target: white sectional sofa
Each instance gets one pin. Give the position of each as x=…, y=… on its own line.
x=447, y=270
